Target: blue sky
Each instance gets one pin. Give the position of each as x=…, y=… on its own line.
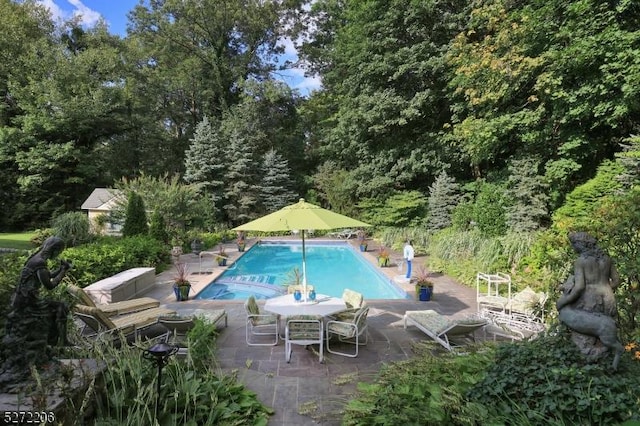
x=115, y=13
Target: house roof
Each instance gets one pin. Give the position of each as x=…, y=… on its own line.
x=101, y=199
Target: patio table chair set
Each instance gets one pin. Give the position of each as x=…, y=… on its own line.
x=348, y=326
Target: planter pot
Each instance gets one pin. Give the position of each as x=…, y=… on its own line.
x=241, y=246
x=383, y=261
x=222, y=261
x=363, y=247
x=425, y=293
x=182, y=292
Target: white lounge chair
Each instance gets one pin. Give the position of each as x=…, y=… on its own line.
x=441, y=328
x=114, y=308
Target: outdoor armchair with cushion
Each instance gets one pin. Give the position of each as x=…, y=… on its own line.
x=259, y=324
x=441, y=328
x=100, y=323
x=349, y=331
x=354, y=302
x=303, y=330
x=115, y=308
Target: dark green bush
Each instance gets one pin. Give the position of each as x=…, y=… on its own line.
x=548, y=381
x=108, y=256
x=426, y=390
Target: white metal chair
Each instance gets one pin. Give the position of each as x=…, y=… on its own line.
x=303, y=330
x=349, y=331
x=259, y=324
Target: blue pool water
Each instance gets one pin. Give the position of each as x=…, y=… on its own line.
x=265, y=269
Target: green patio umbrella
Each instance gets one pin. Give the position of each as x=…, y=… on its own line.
x=301, y=216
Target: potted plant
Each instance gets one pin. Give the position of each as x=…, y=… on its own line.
x=424, y=286
x=362, y=240
x=240, y=241
x=221, y=256
x=383, y=256
x=181, y=285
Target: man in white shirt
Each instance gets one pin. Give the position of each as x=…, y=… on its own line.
x=408, y=256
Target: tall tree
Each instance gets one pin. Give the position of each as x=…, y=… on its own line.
x=206, y=163
x=275, y=191
x=443, y=198
x=135, y=222
x=528, y=208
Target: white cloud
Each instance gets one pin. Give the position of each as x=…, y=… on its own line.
x=88, y=17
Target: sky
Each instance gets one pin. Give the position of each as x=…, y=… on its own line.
x=115, y=13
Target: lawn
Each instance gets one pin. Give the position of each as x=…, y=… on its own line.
x=20, y=241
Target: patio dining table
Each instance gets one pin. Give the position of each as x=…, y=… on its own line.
x=287, y=306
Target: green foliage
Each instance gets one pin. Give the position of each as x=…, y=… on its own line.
x=548, y=381
x=191, y=392
x=135, y=222
x=618, y=231
x=275, y=191
x=400, y=209
x=10, y=267
x=528, y=209
x=72, y=227
x=336, y=187
x=426, y=390
x=108, y=256
x=157, y=228
x=178, y=203
x=489, y=210
x=443, y=198
x=463, y=216
x=578, y=211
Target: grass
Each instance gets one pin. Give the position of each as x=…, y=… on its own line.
x=21, y=241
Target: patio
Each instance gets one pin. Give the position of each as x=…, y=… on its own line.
x=318, y=390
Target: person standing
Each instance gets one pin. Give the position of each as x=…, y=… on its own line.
x=408, y=257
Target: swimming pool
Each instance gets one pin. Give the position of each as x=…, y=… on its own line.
x=265, y=269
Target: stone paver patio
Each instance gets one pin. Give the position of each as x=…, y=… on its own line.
x=304, y=385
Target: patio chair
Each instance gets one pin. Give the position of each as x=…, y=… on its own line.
x=128, y=324
x=115, y=308
x=441, y=328
x=354, y=301
x=259, y=324
x=349, y=331
x=305, y=331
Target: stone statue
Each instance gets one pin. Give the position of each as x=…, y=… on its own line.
x=587, y=305
x=34, y=324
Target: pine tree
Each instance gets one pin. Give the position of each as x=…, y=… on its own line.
x=242, y=191
x=135, y=222
x=527, y=196
x=275, y=191
x=443, y=198
x=205, y=162
x=157, y=228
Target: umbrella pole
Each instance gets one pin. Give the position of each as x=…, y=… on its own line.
x=304, y=268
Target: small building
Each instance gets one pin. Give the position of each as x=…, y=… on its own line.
x=100, y=207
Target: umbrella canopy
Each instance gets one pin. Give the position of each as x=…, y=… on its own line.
x=301, y=216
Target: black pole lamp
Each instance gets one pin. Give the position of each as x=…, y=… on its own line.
x=160, y=353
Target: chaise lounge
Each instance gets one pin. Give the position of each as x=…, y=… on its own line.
x=115, y=308
x=442, y=329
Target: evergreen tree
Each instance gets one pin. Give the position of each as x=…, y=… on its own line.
x=630, y=160
x=443, y=198
x=274, y=191
x=157, y=228
x=135, y=222
x=242, y=193
x=205, y=163
x=526, y=193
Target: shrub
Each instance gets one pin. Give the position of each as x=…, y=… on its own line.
x=108, y=256
x=158, y=228
x=428, y=389
x=72, y=227
x=547, y=380
x=135, y=222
